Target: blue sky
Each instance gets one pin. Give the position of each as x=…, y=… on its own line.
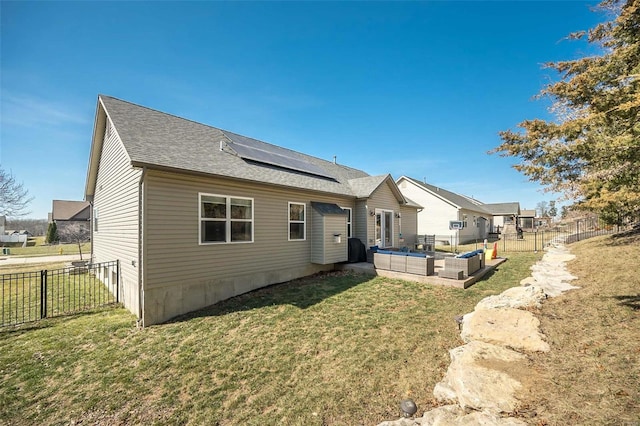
x=408, y=88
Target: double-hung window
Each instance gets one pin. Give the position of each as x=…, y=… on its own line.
x=225, y=219
x=297, y=221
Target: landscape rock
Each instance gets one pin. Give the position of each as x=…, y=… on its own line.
x=515, y=297
x=472, y=384
x=476, y=382
x=510, y=327
x=553, y=284
x=400, y=422
x=453, y=415
x=441, y=416
x=486, y=419
x=528, y=281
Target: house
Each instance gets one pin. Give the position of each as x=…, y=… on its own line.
x=67, y=214
x=196, y=214
x=527, y=220
x=451, y=217
x=504, y=216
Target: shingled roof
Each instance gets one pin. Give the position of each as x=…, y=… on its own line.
x=70, y=210
x=159, y=140
x=503, y=209
x=457, y=200
x=468, y=203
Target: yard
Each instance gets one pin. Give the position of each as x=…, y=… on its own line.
x=37, y=247
x=338, y=349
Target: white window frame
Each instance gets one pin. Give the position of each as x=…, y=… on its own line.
x=228, y=220
x=349, y=221
x=289, y=221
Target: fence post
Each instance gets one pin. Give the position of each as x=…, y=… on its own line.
x=118, y=281
x=43, y=294
x=535, y=242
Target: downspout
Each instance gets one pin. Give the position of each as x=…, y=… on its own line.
x=141, y=199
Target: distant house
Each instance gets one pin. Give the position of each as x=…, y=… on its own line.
x=453, y=217
x=504, y=216
x=527, y=220
x=196, y=214
x=70, y=213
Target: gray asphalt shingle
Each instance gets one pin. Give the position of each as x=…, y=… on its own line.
x=158, y=139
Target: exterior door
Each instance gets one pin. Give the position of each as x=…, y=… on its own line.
x=384, y=228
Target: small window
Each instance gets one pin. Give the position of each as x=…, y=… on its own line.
x=297, y=228
x=348, y=210
x=225, y=219
x=95, y=219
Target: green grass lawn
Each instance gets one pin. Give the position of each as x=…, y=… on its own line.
x=336, y=349
x=68, y=290
x=37, y=247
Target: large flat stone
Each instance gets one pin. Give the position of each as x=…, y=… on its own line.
x=472, y=384
x=510, y=327
x=514, y=297
x=485, y=418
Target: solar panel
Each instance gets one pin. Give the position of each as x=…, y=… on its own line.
x=274, y=158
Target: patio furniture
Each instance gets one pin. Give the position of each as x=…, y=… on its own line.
x=405, y=262
x=457, y=274
x=425, y=242
x=468, y=263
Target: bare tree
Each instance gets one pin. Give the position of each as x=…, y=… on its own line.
x=541, y=209
x=76, y=233
x=14, y=198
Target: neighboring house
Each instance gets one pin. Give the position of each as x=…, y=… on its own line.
x=444, y=212
x=527, y=220
x=504, y=216
x=196, y=214
x=70, y=213
x=10, y=235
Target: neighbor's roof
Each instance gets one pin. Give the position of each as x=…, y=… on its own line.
x=503, y=209
x=70, y=210
x=159, y=140
x=460, y=201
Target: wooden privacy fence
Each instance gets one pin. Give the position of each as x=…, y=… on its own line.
x=31, y=296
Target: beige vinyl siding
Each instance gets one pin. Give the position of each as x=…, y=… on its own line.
x=116, y=200
x=383, y=198
x=324, y=249
x=360, y=222
x=335, y=251
x=182, y=275
x=409, y=223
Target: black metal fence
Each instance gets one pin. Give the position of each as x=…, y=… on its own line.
x=31, y=296
x=532, y=240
